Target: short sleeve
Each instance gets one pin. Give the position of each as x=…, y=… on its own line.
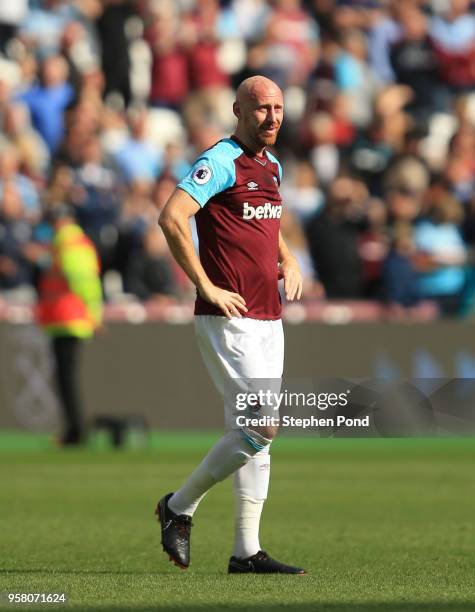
x=207, y=177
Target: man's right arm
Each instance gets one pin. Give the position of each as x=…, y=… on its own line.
x=175, y=223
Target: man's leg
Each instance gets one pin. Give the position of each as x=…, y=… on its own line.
x=174, y=511
x=230, y=353
x=251, y=482
x=227, y=349
x=236, y=448
x=65, y=350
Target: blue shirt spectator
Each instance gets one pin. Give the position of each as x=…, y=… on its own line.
x=48, y=101
x=382, y=35
x=10, y=176
x=27, y=192
x=45, y=26
x=443, y=242
x=455, y=35
x=138, y=159
x=348, y=72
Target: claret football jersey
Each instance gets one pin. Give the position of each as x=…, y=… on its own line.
x=238, y=224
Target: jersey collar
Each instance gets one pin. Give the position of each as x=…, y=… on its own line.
x=262, y=160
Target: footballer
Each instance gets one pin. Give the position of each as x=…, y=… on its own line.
x=233, y=192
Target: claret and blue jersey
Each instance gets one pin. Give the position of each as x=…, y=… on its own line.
x=238, y=224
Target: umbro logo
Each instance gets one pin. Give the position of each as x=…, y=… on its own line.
x=252, y=186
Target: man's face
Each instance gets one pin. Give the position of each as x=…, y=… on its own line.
x=261, y=115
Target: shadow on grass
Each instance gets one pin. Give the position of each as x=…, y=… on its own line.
x=60, y=572
x=304, y=607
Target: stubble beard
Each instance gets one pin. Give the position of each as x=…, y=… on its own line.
x=266, y=141
x=269, y=141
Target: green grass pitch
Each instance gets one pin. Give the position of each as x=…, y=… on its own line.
x=379, y=524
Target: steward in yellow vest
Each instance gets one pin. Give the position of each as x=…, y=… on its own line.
x=70, y=310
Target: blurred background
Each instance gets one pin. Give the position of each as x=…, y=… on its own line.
x=104, y=104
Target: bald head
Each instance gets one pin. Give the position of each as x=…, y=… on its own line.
x=259, y=109
x=255, y=87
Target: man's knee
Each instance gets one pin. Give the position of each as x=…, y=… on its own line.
x=267, y=431
x=256, y=440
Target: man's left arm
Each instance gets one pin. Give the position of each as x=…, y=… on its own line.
x=289, y=270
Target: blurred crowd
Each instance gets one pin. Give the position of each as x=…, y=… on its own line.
x=105, y=103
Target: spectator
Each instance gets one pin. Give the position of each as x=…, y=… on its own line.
x=442, y=255
x=468, y=227
x=15, y=234
x=175, y=163
x=407, y=171
x=373, y=248
x=29, y=68
x=354, y=77
x=138, y=159
x=303, y=196
x=414, y=64
x=33, y=155
x=138, y=213
x=404, y=206
x=11, y=15
x=460, y=167
x=292, y=42
x=170, y=77
x=48, y=101
x=295, y=239
x=79, y=52
x=333, y=240
x=326, y=129
x=250, y=16
x=383, y=32
x=400, y=281
x=453, y=36
x=203, y=38
x=95, y=193
x=111, y=26
x=370, y=156
x=149, y=273
x=83, y=121
x=364, y=84
x=323, y=11
x=209, y=82
x=10, y=174
x=44, y=23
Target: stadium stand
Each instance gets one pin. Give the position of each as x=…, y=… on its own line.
x=104, y=103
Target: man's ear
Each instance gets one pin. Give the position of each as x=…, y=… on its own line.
x=236, y=109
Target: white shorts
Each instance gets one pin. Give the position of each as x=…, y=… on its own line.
x=240, y=349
